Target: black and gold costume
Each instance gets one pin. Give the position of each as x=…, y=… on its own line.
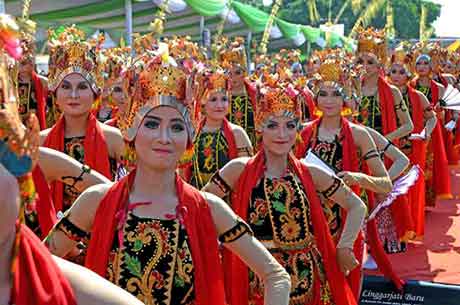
x=210, y=155
x=369, y=113
x=242, y=114
x=332, y=154
x=279, y=215
x=27, y=100
x=154, y=263
x=74, y=147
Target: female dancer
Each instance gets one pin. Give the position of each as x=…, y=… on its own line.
x=382, y=106
x=217, y=141
x=276, y=194
x=350, y=151
x=151, y=233
x=75, y=81
x=424, y=118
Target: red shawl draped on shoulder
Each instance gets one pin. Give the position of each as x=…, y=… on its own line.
x=416, y=195
x=112, y=122
x=229, y=137
x=440, y=152
x=387, y=107
x=201, y=232
x=44, y=202
x=238, y=272
x=37, y=280
x=41, y=94
x=96, y=152
x=351, y=163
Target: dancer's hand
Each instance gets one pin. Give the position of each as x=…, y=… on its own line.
x=346, y=260
x=349, y=178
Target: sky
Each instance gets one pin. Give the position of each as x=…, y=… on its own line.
x=448, y=24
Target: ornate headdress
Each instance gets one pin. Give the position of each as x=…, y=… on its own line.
x=372, y=41
x=154, y=80
x=404, y=57
x=275, y=97
x=234, y=55
x=71, y=53
x=28, y=30
x=184, y=48
x=211, y=79
x=113, y=62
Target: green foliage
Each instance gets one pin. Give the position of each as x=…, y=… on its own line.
x=406, y=14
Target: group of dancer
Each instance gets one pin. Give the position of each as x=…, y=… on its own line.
x=164, y=174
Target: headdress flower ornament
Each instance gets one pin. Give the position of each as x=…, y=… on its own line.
x=372, y=41
x=27, y=29
x=276, y=98
x=181, y=48
x=154, y=80
x=71, y=53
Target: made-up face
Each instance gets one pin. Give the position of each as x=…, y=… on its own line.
x=161, y=139
x=216, y=106
x=369, y=62
x=74, y=95
x=118, y=96
x=330, y=99
x=279, y=134
x=423, y=66
x=398, y=75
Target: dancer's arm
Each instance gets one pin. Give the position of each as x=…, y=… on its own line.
x=276, y=280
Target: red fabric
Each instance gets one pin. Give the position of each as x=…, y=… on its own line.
x=351, y=163
x=44, y=202
x=237, y=273
x=37, y=279
x=41, y=94
x=386, y=100
x=201, y=232
x=96, y=152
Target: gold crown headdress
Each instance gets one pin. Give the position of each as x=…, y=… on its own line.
x=403, y=56
x=275, y=98
x=210, y=79
x=154, y=80
x=235, y=54
x=372, y=41
x=184, y=48
x=113, y=62
x=144, y=43
x=71, y=53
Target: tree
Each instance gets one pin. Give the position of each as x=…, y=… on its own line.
x=406, y=13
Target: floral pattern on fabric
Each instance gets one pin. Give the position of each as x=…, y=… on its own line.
x=369, y=113
x=279, y=215
x=332, y=154
x=210, y=155
x=242, y=114
x=155, y=262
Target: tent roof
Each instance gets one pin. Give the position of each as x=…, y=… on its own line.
x=109, y=15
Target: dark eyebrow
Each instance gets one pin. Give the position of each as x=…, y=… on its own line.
x=149, y=116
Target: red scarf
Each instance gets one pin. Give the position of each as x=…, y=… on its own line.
x=44, y=202
x=209, y=289
x=41, y=94
x=236, y=270
x=37, y=279
x=386, y=100
x=96, y=152
x=351, y=163
x=229, y=137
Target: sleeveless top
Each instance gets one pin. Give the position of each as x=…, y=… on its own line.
x=153, y=261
